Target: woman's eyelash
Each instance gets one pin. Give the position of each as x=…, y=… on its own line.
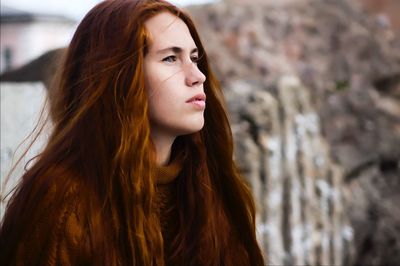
x=171, y=58
x=195, y=59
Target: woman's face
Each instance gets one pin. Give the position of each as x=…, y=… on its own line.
x=173, y=81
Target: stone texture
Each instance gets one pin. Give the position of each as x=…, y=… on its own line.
x=298, y=192
x=335, y=134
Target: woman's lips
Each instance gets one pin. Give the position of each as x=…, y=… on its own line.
x=199, y=104
x=199, y=101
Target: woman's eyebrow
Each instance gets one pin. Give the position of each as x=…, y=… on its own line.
x=176, y=50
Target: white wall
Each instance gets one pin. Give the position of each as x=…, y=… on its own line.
x=21, y=104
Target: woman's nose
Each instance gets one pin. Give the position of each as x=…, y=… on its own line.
x=193, y=75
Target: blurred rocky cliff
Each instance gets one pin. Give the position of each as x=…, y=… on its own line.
x=313, y=92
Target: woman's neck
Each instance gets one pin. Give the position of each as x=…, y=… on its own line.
x=163, y=145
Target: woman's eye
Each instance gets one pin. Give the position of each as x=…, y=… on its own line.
x=195, y=59
x=170, y=59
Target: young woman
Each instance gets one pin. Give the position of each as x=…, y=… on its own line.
x=138, y=169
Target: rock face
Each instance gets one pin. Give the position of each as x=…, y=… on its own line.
x=279, y=148
x=387, y=10
x=344, y=113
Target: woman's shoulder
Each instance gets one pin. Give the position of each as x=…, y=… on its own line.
x=55, y=196
x=63, y=203
x=53, y=229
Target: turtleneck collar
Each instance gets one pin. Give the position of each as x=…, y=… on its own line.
x=168, y=173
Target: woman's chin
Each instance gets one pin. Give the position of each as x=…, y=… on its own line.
x=192, y=127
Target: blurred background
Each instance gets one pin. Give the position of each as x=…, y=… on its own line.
x=313, y=93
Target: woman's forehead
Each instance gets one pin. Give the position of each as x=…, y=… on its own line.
x=167, y=30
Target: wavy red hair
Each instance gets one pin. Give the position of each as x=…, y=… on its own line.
x=101, y=142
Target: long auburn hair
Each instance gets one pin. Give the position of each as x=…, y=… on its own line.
x=101, y=144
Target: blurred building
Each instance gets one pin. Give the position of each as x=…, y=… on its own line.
x=26, y=35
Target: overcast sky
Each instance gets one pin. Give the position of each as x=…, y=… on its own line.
x=72, y=8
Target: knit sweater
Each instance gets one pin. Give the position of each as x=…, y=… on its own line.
x=65, y=242
x=166, y=202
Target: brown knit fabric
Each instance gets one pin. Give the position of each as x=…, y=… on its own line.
x=166, y=202
x=57, y=235
x=65, y=241
x=167, y=174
